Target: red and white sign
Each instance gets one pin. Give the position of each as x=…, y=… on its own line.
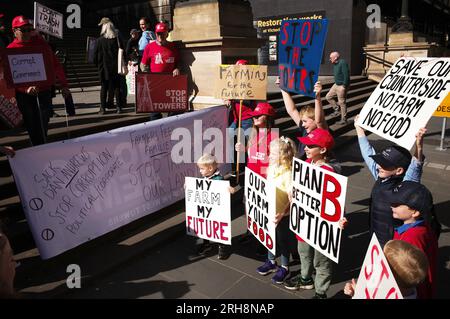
x=161, y=92
x=260, y=203
x=9, y=111
x=318, y=202
x=131, y=79
x=208, y=209
x=29, y=66
x=376, y=280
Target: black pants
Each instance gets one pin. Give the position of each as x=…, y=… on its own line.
x=35, y=117
x=110, y=87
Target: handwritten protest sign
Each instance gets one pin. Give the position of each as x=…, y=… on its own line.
x=241, y=82
x=76, y=190
x=406, y=98
x=260, y=203
x=131, y=78
x=48, y=21
x=300, y=51
x=28, y=66
x=158, y=92
x=208, y=209
x=443, y=110
x=317, y=206
x=376, y=280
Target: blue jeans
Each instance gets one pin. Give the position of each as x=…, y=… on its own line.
x=285, y=239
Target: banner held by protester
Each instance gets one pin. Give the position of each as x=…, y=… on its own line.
x=406, y=99
x=318, y=201
x=208, y=209
x=300, y=51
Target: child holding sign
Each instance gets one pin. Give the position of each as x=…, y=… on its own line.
x=207, y=165
x=318, y=145
x=389, y=167
x=413, y=206
x=282, y=152
x=408, y=264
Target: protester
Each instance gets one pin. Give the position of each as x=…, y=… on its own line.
x=132, y=50
x=160, y=56
x=147, y=35
x=35, y=101
x=208, y=167
x=318, y=145
x=282, y=151
x=4, y=37
x=389, y=168
x=105, y=57
x=408, y=264
x=308, y=118
x=340, y=87
x=7, y=269
x=413, y=205
x=7, y=150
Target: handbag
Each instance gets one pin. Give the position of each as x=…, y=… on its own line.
x=122, y=67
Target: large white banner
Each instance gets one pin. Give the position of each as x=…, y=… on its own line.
x=406, y=99
x=208, y=209
x=260, y=203
x=318, y=201
x=376, y=280
x=48, y=21
x=76, y=190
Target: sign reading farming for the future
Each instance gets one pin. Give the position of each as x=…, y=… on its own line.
x=318, y=200
x=406, y=98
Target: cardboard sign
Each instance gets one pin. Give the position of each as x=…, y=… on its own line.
x=9, y=111
x=300, y=51
x=317, y=206
x=48, y=21
x=376, y=280
x=159, y=92
x=25, y=67
x=76, y=190
x=406, y=99
x=241, y=82
x=208, y=209
x=260, y=203
x=443, y=110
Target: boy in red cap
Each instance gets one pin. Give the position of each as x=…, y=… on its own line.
x=160, y=56
x=36, y=116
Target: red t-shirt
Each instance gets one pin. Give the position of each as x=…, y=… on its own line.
x=162, y=59
x=328, y=168
x=423, y=238
x=258, y=153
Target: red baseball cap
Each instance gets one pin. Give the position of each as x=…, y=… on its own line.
x=318, y=137
x=161, y=27
x=241, y=62
x=20, y=21
x=263, y=108
x=2, y=15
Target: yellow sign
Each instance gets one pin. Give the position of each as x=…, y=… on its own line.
x=444, y=109
x=241, y=82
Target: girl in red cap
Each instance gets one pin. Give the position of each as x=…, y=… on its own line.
x=318, y=145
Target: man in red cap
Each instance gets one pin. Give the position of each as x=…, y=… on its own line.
x=160, y=56
x=36, y=115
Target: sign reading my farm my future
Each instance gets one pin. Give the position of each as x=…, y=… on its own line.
x=406, y=98
x=300, y=50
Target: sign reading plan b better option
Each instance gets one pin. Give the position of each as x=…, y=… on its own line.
x=406, y=98
x=318, y=200
x=208, y=209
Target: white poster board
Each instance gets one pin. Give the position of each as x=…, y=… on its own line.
x=76, y=190
x=318, y=202
x=131, y=79
x=27, y=68
x=406, y=99
x=376, y=280
x=260, y=204
x=48, y=21
x=208, y=209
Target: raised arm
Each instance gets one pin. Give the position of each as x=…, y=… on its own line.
x=366, y=149
x=290, y=107
x=319, y=115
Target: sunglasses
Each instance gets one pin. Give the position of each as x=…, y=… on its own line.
x=25, y=30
